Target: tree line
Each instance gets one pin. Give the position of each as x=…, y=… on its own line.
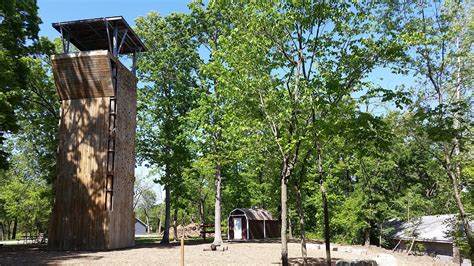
x=273, y=105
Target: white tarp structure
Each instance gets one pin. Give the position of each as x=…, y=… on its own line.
x=433, y=228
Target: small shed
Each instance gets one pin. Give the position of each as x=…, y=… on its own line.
x=434, y=232
x=140, y=227
x=247, y=224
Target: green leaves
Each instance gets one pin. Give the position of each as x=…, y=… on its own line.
x=168, y=94
x=18, y=28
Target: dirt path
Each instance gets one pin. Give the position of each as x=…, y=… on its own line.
x=237, y=254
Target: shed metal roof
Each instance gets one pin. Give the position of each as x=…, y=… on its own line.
x=91, y=34
x=255, y=214
x=140, y=222
x=433, y=228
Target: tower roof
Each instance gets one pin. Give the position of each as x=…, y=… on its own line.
x=98, y=34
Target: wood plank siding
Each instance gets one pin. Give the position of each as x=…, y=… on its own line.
x=83, y=75
x=122, y=218
x=90, y=121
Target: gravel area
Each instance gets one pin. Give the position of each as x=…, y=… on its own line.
x=261, y=253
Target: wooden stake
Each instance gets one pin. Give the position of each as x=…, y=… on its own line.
x=397, y=245
x=182, y=250
x=411, y=246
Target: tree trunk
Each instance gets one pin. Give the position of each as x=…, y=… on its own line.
x=290, y=227
x=457, y=196
x=166, y=232
x=456, y=254
x=217, y=207
x=367, y=237
x=284, y=212
x=380, y=234
x=147, y=222
x=175, y=224
x=299, y=203
x=3, y=231
x=159, y=222
x=158, y=225
x=15, y=225
x=325, y=205
x=202, y=214
x=326, y=227
x=8, y=224
x=455, y=174
x=202, y=217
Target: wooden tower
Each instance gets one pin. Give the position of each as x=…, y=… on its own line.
x=96, y=155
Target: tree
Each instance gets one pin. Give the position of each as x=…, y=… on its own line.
x=168, y=74
x=285, y=66
x=27, y=184
x=147, y=201
x=440, y=37
x=19, y=29
x=140, y=187
x=209, y=116
x=38, y=115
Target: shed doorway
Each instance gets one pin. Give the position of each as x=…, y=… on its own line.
x=238, y=228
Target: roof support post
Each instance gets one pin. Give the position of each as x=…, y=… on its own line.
x=136, y=54
x=123, y=40
x=68, y=42
x=108, y=34
x=115, y=43
x=65, y=40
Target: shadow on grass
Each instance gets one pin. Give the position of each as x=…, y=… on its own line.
x=34, y=254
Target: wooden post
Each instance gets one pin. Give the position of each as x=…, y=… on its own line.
x=397, y=245
x=182, y=250
x=411, y=246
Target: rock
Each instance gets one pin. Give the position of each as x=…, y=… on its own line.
x=334, y=249
x=359, y=251
x=444, y=258
x=345, y=249
x=466, y=262
x=216, y=248
x=383, y=259
x=356, y=263
x=313, y=246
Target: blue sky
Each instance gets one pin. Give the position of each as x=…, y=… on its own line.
x=60, y=10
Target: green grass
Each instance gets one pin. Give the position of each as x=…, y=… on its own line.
x=148, y=239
